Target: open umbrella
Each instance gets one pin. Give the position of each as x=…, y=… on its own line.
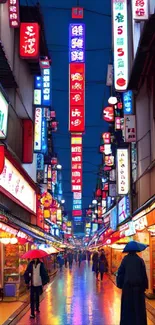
x=35, y=253
x=134, y=246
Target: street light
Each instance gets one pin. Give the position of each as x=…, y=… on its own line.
x=59, y=167
x=62, y=201
x=94, y=202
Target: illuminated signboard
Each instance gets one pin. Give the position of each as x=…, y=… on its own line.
x=37, y=90
x=77, y=43
x=77, y=13
x=46, y=81
x=44, y=135
x=128, y=102
x=123, y=183
x=3, y=116
x=130, y=128
x=108, y=114
x=120, y=37
x=13, y=7
x=15, y=184
x=77, y=94
x=29, y=40
x=76, y=167
x=77, y=196
x=140, y=10
x=106, y=137
x=38, y=129
x=123, y=209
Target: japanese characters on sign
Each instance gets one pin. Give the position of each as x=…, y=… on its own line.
x=14, y=19
x=128, y=102
x=38, y=129
x=140, y=9
x=15, y=184
x=29, y=40
x=77, y=43
x=76, y=167
x=123, y=171
x=46, y=81
x=130, y=128
x=77, y=102
x=120, y=37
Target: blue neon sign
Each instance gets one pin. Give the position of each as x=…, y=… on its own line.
x=77, y=43
x=128, y=102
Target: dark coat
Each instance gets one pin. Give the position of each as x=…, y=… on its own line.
x=70, y=257
x=95, y=260
x=132, y=279
x=28, y=275
x=102, y=263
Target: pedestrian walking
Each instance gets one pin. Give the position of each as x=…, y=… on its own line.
x=88, y=256
x=70, y=259
x=103, y=264
x=95, y=260
x=65, y=260
x=133, y=281
x=60, y=260
x=80, y=256
x=76, y=257
x=35, y=277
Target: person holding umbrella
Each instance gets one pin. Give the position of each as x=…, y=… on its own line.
x=133, y=281
x=35, y=277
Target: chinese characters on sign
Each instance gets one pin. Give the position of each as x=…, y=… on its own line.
x=76, y=167
x=38, y=129
x=77, y=43
x=130, y=128
x=13, y=7
x=120, y=37
x=122, y=171
x=29, y=40
x=140, y=9
x=77, y=92
x=46, y=81
x=15, y=184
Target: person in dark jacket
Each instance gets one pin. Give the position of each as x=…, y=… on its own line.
x=102, y=264
x=70, y=259
x=95, y=260
x=35, y=277
x=133, y=281
x=80, y=258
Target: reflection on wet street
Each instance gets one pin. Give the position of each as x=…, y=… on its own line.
x=76, y=298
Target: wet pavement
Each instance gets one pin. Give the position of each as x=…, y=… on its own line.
x=76, y=298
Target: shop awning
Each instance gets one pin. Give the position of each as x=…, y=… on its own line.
x=144, y=61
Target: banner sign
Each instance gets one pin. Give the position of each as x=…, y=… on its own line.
x=77, y=43
x=46, y=82
x=120, y=37
x=77, y=97
x=123, y=176
x=130, y=128
x=38, y=129
x=140, y=10
x=29, y=40
x=14, y=19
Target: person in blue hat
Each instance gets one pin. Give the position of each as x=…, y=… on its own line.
x=133, y=281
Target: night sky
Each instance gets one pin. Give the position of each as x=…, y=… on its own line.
x=57, y=16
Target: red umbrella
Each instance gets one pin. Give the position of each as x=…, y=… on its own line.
x=35, y=253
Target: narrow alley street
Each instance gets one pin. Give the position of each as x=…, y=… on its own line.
x=76, y=298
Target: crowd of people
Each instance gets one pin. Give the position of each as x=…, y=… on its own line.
x=68, y=257
x=100, y=264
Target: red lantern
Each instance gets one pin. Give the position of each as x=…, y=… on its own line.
x=108, y=114
x=104, y=195
x=54, y=161
x=98, y=192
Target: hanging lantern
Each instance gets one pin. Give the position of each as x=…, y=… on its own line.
x=112, y=100
x=98, y=192
x=54, y=161
x=104, y=195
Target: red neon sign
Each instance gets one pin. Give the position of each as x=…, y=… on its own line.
x=77, y=13
x=29, y=40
